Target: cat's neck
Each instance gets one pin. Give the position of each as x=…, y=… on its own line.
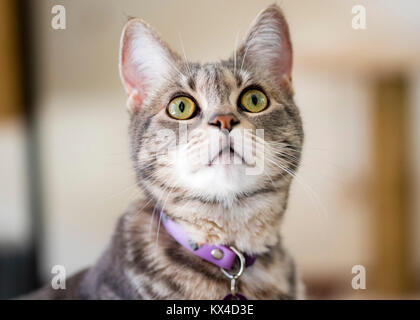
x=153, y=259
x=251, y=225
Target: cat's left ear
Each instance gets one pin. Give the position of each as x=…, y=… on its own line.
x=267, y=46
x=145, y=61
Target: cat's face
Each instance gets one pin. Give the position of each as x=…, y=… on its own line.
x=216, y=132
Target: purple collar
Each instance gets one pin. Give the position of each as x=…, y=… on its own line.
x=218, y=255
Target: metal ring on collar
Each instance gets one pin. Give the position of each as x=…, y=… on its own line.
x=241, y=265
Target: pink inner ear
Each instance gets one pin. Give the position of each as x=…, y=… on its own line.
x=134, y=83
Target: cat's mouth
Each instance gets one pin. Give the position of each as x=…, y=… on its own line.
x=228, y=156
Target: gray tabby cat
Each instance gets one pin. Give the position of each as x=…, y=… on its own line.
x=214, y=202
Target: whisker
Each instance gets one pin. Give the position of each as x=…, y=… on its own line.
x=306, y=187
x=154, y=209
x=185, y=56
x=163, y=210
x=235, y=52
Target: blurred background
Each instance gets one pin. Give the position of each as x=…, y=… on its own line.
x=65, y=174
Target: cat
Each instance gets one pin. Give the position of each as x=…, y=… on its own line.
x=215, y=202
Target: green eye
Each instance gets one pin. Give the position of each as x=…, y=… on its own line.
x=181, y=108
x=254, y=100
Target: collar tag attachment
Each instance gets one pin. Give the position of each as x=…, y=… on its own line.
x=234, y=278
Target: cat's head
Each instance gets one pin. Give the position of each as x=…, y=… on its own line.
x=217, y=132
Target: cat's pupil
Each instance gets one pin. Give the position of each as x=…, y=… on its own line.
x=254, y=99
x=181, y=106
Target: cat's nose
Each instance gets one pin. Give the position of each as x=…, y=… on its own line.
x=224, y=121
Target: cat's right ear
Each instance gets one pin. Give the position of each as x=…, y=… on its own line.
x=145, y=60
x=267, y=47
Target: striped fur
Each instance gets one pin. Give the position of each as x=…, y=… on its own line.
x=143, y=261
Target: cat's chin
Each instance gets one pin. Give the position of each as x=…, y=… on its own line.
x=220, y=180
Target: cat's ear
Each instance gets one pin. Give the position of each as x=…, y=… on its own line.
x=144, y=61
x=267, y=46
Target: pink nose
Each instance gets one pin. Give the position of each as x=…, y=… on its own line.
x=225, y=121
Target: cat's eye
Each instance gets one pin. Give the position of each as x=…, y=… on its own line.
x=253, y=100
x=182, y=108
